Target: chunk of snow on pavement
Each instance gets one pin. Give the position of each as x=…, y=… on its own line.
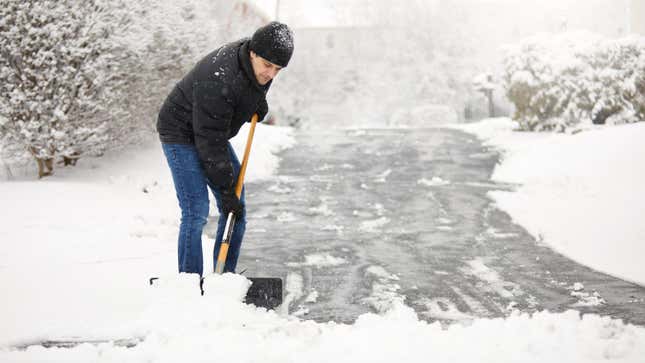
x=577, y=286
x=279, y=189
x=333, y=227
x=495, y=233
x=322, y=209
x=319, y=260
x=374, y=224
x=435, y=181
x=586, y=299
x=381, y=273
x=381, y=177
x=503, y=288
x=384, y=294
x=312, y=297
x=286, y=217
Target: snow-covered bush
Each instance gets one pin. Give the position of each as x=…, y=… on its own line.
x=560, y=81
x=82, y=76
x=61, y=76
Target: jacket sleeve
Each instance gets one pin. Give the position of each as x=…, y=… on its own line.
x=213, y=106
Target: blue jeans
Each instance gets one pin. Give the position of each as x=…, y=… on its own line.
x=191, y=185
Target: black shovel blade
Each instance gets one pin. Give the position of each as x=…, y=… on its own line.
x=265, y=292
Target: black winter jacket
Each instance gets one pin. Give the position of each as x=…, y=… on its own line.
x=210, y=104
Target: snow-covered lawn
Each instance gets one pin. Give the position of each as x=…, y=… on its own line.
x=76, y=250
x=580, y=194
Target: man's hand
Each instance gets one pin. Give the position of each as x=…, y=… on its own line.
x=262, y=109
x=230, y=202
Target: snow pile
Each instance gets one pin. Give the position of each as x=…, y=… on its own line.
x=86, y=239
x=579, y=193
x=218, y=327
x=560, y=81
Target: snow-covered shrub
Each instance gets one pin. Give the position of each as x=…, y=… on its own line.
x=61, y=76
x=82, y=76
x=559, y=81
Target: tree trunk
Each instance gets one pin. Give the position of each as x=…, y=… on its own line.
x=70, y=159
x=45, y=165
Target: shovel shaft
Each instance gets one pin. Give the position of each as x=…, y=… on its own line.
x=230, y=221
x=245, y=160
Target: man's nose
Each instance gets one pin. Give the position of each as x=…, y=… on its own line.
x=273, y=72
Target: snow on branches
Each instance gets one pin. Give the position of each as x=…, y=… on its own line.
x=61, y=72
x=560, y=81
x=81, y=76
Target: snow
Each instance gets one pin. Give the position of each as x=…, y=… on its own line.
x=478, y=268
x=373, y=225
x=77, y=249
x=435, y=181
x=578, y=193
x=319, y=260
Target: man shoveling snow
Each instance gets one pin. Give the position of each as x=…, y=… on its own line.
x=204, y=110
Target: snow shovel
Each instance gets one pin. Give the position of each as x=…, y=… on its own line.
x=264, y=291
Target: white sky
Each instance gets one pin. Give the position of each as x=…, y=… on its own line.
x=317, y=13
x=311, y=13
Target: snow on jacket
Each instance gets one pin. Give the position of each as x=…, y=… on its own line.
x=210, y=105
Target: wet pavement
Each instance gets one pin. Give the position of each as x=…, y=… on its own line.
x=359, y=219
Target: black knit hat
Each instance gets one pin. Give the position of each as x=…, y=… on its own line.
x=273, y=42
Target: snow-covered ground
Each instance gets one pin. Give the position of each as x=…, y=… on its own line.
x=76, y=250
x=578, y=193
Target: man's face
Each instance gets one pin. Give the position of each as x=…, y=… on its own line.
x=264, y=70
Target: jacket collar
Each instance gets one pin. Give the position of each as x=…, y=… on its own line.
x=245, y=59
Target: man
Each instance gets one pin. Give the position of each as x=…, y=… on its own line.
x=204, y=110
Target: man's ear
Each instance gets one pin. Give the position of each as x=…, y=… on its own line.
x=253, y=55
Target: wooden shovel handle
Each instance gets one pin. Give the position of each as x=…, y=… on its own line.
x=247, y=152
x=230, y=221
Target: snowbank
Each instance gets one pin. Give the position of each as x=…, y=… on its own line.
x=77, y=246
x=578, y=193
x=219, y=327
